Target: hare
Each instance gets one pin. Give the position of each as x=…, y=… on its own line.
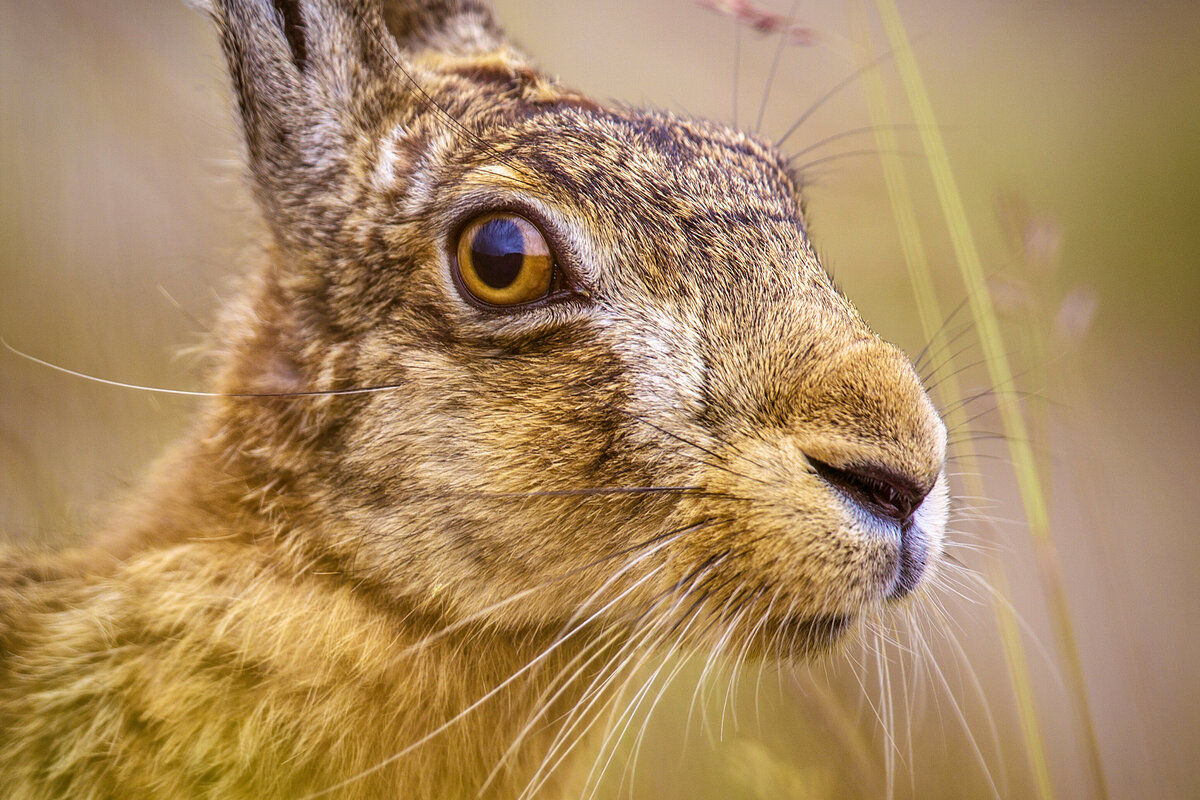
x=526, y=385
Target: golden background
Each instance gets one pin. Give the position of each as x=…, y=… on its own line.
x=122, y=220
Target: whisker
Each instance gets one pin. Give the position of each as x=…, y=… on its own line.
x=739, y=661
x=935, y=337
x=717, y=463
x=836, y=137
x=962, y=720
x=481, y=700
x=684, y=440
x=545, y=701
x=783, y=38
x=964, y=661
x=604, y=587
x=867, y=151
x=631, y=767
x=635, y=648
x=599, y=685
x=950, y=359
x=662, y=540
x=963, y=368
x=908, y=690
x=617, y=731
x=832, y=92
x=587, y=492
x=715, y=655
x=188, y=393
x=885, y=702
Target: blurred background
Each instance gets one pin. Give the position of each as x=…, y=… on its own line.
x=1073, y=129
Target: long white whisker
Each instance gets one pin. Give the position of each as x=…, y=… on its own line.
x=487, y=696
x=598, y=689
x=617, y=732
x=885, y=705
x=659, y=542
x=936, y=670
x=554, y=690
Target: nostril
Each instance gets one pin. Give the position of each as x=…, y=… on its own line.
x=877, y=488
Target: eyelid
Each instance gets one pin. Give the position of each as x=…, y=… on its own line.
x=532, y=281
x=573, y=276
x=575, y=253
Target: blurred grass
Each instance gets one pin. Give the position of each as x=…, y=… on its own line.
x=946, y=374
x=117, y=176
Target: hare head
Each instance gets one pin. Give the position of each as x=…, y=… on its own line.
x=509, y=342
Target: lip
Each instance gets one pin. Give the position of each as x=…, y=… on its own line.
x=913, y=540
x=910, y=548
x=913, y=561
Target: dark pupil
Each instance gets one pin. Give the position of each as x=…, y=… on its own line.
x=498, y=250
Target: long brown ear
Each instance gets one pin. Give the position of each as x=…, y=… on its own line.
x=311, y=76
x=462, y=27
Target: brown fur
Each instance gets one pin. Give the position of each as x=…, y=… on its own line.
x=312, y=584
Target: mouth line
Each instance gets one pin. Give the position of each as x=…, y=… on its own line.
x=882, y=492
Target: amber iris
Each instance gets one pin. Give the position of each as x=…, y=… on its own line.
x=503, y=260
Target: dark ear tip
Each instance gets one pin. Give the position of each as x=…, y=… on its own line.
x=291, y=21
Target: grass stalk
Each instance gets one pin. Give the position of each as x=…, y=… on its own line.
x=1000, y=373
x=921, y=276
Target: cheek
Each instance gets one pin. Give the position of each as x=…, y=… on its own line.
x=803, y=552
x=790, y=535
x=507, y=488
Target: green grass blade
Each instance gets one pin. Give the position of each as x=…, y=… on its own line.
x=1000, y=372
x=920, y=274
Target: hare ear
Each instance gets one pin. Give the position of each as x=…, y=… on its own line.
x=311, y=76
x=462, y=27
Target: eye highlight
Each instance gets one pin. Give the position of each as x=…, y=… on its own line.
x=504, y=260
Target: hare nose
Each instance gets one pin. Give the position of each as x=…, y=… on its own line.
x=878, y=489
x=870, y=432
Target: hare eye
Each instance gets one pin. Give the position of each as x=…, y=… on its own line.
x=503, y=260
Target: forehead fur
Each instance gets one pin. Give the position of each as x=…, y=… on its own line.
x=677, y=191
